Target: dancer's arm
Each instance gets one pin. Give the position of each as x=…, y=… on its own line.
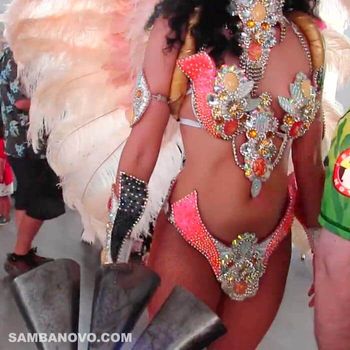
x=141, y=151
x=309, y=172
x=142, y=148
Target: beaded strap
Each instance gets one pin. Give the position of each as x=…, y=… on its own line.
x=304, y=45
x=258, y=37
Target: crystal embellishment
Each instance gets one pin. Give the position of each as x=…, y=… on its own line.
x=230, y=101
x=258, y=37
x=258, y=151
x=242, y=266
x=301, y=107
x=223, y=105
x=142, y=97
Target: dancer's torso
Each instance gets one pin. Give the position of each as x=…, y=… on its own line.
x=225, y=202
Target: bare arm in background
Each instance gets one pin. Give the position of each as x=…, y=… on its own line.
x=309, y=172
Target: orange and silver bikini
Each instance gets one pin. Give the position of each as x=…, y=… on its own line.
x=225, y=106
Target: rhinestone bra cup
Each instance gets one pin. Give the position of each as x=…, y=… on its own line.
x=223, y=105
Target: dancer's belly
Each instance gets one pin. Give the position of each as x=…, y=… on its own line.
x=224, y=199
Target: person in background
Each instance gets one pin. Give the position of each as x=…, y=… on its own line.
x=332, y=248
x=37, y=197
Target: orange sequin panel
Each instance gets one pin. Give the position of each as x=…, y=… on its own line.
x=186, y=218
x=201, y=70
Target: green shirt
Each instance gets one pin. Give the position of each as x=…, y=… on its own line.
x=335, y=210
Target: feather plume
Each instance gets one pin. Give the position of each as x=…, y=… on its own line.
x=77, y=60
x=66, y=53
x=337, y=54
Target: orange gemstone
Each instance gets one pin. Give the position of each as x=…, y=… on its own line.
x=231, y=127
x=252, y=134
x=250, y=23
x=295, y=129
x=240, y=287
x=263, y=152
x=288, y=119
x=259, y=167
x=254, y=51
x=264, y=147
x=243, y=118
x=265, y=26
x=138, y=93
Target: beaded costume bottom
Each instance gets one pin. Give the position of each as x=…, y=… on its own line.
x=239, y=267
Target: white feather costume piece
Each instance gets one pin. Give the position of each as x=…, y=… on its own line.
x=76, y=61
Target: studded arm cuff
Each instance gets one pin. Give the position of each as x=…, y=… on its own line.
x=125, y=213
x=143, y=97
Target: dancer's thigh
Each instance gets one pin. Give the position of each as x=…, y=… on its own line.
x=248, y=321
x=178, y=263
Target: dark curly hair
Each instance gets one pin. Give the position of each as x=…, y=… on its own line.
x=214, y=17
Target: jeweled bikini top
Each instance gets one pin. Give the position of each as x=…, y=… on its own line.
x=223, y=99
x=223, y=106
